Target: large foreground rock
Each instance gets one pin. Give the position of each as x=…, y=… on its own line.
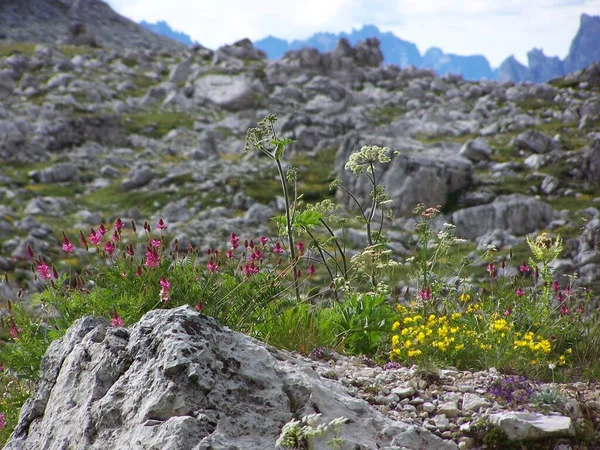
x=177, y=380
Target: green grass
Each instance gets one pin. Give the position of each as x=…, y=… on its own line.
x=156, y=124
x=112, y=199
x=24, y=48
x=384, y=115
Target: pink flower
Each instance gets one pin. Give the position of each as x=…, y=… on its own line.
x=564, y=309
x=520, y=292
x=30, y=252
x=234, y=240
x=43, y=270
x=277, y=248
x=199, y=306
x=124, y=274
x=311, y=269
x=230, y=254
x=524, y=269
x=109, y=248
x=161, y=224
x=508, y=312
x=152, y=258
x=67, y=246
x=116, y=320
x=256, y=255
x=300, y=247
x=555, y=286
x=560, y=296
x=115, y=237
x=155, y=243
x=2, y=421
x=263, y=240
x=491, y=268
x=138, y=271
x=95, y=237
x=212, y=266
x=130, y=251
x=118, y=225
x=14, y=331
x=102, y=229
x=425, y=294
x=249, y=269
x=165, y=286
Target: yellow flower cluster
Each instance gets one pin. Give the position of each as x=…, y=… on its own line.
x=532, y=342
x=463, y=336
x=419, y=334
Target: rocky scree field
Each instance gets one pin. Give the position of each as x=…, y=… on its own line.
x=92, y=134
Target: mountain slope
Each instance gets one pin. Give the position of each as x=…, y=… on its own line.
x=49, y=21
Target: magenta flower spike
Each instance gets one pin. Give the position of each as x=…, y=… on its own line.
x=277, y=248
x=116, y=320
x=43, y=270
x=161, y=224
x=118, y=226
x=67, y=246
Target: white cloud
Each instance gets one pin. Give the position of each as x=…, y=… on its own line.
x=494, y=28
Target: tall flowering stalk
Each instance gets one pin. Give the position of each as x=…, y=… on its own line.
x=264, y=139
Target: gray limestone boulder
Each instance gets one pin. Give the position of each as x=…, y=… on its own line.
x=177, y=380
x=518, y=214
x=232, y=92
x=534, y=141
x=475, y=150
x=7, y=84
x=526, y=426
x=181, y=71
x=58, y=173
x=414, y=175
x=137, y=178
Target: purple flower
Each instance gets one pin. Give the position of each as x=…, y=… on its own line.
x=520, y=292
x=392, y=365
x=263, y=240
x=321, y=353
x=161, y=224
x=2, y=421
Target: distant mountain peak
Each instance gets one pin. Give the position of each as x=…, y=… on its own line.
x=162, y=28
x=395, y=51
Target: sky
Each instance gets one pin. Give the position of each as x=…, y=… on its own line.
x=494, y=28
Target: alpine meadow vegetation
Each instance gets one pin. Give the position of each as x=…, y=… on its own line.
x=302, y=289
